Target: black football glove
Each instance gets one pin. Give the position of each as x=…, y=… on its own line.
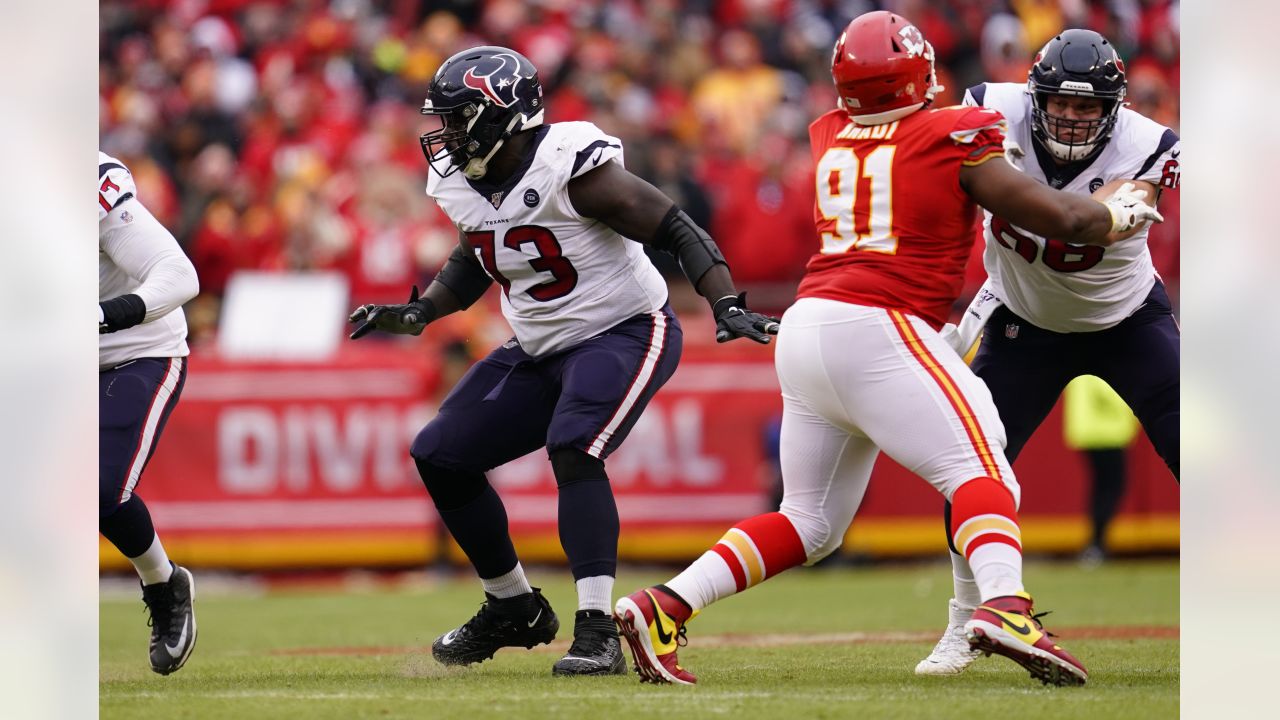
x=407, y=319
x=734, y=320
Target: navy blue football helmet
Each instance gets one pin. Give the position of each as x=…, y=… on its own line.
x=1081, y=63
x=483, y=96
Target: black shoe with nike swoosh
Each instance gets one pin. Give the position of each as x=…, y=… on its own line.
x=521, y=621
x=173, y=620
x=1007, y=626
x=595, y=649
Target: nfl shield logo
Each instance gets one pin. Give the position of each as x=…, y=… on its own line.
x=1011, y=331
x=496, y=200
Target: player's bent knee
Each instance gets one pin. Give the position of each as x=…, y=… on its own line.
x=426, y=443
x=1008, y=482
x=572, y=465
x=817, y=535
x=449, y=488
x=829, y=545
x=107, y=507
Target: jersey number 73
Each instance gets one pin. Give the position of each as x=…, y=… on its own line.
x=564, y=276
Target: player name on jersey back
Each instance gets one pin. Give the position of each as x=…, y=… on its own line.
x=895, y=228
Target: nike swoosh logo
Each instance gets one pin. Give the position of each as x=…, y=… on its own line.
x=1023, y=628
x=448, y=638
x=535, y=619
x=663, y=637
x=176, y=651
x=596, y=159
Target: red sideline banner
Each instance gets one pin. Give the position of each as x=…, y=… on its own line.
x=296, y=465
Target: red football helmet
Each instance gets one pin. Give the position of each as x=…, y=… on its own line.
x=883, y=68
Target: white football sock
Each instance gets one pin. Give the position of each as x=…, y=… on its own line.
x=596, y=593
x=508, y=585
x=997, y=568
x=966, y=589
x=153, y=566
x=707, y=580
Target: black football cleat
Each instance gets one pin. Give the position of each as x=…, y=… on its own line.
x=522, y=621
x=595, y=650
x=173, y=620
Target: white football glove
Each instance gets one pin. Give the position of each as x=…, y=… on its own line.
x=1128, y=209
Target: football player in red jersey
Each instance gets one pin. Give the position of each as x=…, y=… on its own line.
x=860, y=360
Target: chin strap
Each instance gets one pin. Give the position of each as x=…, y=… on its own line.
x=476, y=168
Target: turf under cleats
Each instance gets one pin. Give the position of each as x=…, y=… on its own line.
x=652, y=621
x=952, y=654
x=595, y=649
x=1006, y=626
x=172, y=621
x=521, y=621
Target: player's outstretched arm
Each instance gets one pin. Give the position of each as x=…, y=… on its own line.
x=1012, y=195
x=639, y=211
x=458, y=285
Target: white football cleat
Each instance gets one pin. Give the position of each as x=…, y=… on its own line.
x=952, y=654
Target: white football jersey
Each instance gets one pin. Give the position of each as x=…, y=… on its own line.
x=1065, y=287
x=564, y=278
x=132, y=245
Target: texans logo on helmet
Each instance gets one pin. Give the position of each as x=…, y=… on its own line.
x=499, y=84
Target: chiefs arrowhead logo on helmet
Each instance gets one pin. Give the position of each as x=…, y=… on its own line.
x=883, y=69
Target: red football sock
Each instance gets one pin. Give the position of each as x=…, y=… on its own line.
x=753, y=550
x=982, y=512
x=758, y=548
x=984, y=527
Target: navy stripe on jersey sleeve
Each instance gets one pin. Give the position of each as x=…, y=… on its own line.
x=979, y=92
x=585, y=153
x=105, y=168
x=122, y=198
x=1167, y=140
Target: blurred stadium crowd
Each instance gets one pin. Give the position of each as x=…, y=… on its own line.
x=282, y=134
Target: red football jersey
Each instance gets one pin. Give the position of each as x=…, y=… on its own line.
x=894, y=224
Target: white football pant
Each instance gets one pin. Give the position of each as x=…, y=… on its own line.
x=857, y=380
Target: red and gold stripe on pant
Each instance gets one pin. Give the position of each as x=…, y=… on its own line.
x=949, y=389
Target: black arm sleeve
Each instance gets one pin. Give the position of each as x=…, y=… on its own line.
x=464, y=276
x=680, y=236
x=123, y=312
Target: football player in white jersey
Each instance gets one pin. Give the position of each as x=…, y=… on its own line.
x=1054, y=310
x=143, y=280
x=549, y=213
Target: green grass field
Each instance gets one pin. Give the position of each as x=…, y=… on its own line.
x=815, y=643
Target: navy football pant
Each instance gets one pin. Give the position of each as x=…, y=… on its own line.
x=1027, y=368
x=135, y=400
x=584, y=399
x=1139, y=358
